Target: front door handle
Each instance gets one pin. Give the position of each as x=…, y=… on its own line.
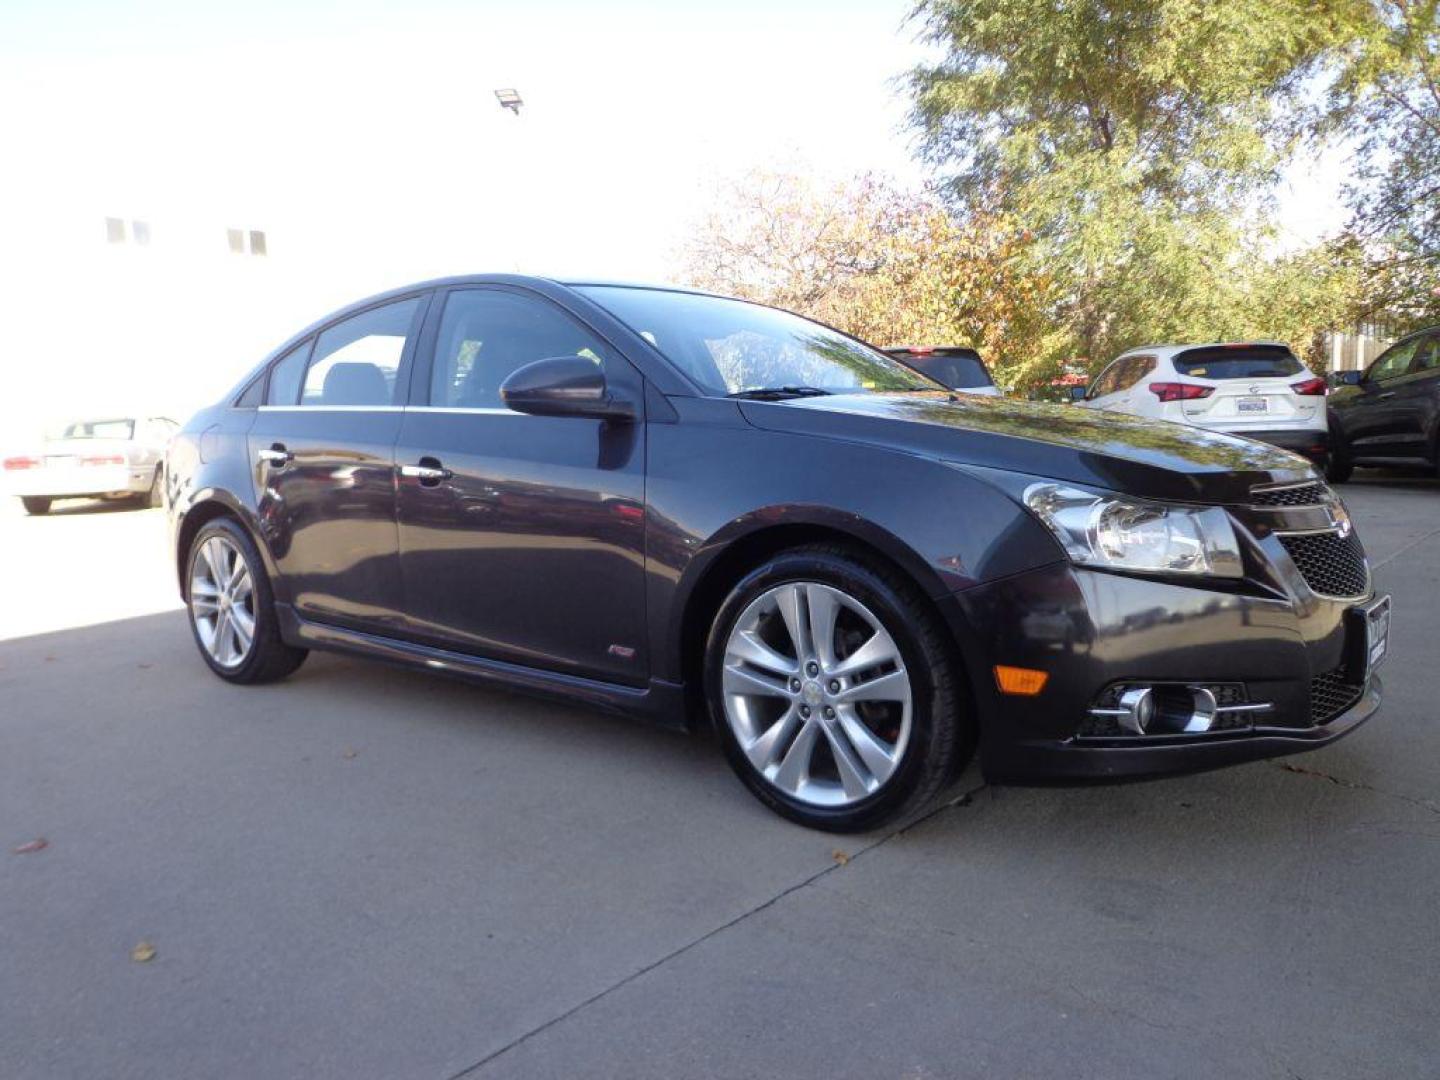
x=276, y=455
x=1384, y=396
x=429, y=472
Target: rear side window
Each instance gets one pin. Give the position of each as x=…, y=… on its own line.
x=1238, y=362
x=285, y=375
x=356, y=362
x=960, y=370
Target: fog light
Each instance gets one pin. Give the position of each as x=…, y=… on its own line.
x=1137, y=709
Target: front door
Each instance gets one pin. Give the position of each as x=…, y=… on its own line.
x=323, y=450
x=523, y=539
x=1376, y=422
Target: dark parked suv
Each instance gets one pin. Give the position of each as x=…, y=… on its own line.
x=1390, y=413
x=696, y=508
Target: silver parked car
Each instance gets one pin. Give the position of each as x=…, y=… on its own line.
x=93, y=459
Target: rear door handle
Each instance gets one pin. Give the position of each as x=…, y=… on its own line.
x=429, y=472
x=276, y=455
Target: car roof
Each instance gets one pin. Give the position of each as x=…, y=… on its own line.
x=1168, y=350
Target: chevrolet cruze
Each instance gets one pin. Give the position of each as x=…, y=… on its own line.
x=709, y=511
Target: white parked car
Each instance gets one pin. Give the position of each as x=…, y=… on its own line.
x=92, y=459
x=1258, y=389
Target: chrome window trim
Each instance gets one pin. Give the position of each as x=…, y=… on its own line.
x=486, y=410
x=331, y=408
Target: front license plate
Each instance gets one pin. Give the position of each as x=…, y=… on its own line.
x=1377, y=633
x=1252, y=405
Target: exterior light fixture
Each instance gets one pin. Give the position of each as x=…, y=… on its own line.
x=509, y=99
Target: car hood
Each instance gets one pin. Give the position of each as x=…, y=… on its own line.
x=1153, y=458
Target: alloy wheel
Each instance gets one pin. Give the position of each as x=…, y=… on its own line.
x=222, y=602
x=816, y=694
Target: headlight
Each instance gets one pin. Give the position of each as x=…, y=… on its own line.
x=1130, y=534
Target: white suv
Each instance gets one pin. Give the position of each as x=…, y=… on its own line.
x=1253, y=388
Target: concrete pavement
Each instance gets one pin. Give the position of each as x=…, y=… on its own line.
x=364, y=872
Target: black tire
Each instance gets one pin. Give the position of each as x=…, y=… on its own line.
x=270, y=658
x=1338, y=466
x=154, y=499
x=36, y=504
x=942, y=733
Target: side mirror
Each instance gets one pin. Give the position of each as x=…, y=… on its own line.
x=1077, y=393
x=1348, y=378
x=563, y=386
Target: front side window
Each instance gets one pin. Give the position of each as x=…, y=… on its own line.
x=356, y=362
x=487, y=334
x=1395, y=362
x=730, y=346
x=959, y=370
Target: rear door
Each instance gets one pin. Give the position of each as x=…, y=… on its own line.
x=528, y=545
x=322, y=448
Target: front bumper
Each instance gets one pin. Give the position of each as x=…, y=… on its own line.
x=1089, y=630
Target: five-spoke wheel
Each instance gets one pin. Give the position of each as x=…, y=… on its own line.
x=222, y=602
x=833, y=690
x=231, y=610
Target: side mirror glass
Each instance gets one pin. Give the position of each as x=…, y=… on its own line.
x=563, y=386
x=1077, y=393
x=1348, y=378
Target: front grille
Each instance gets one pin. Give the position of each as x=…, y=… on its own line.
x=1312, y=494
x=1331, y=694
x=1331, y=564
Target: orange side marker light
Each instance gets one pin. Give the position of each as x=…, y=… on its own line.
x=1025, y=682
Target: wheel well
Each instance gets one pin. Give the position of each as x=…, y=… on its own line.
x=738, y=560
x=195, y=519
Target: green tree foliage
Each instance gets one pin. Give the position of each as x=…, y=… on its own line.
x=1138, y=140
x=889, y=265
x=1387, y=91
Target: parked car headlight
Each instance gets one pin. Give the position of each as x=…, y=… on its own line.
x=1119, y=533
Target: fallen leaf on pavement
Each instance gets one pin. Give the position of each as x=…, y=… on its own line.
x=143, y=953
x=840, y=857
x=350, y=755
x=38, y=844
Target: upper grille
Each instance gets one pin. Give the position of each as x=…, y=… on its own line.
x=1311, y=494
x=1331, y=565
x=1331, y=694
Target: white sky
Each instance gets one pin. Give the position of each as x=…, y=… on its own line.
x=365, y=140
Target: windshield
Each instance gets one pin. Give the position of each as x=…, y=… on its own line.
x=731, y=347
x=99, y=429
x=1239, y=362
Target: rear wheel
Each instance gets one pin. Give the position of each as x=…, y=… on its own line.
x=35, y=504
x=232, y=610
x=834, y=691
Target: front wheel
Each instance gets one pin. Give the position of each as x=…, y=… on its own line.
x=232, y=611
x=35, y=505
x=834, y=690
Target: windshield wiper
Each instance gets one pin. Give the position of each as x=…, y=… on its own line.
x=779, y=393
